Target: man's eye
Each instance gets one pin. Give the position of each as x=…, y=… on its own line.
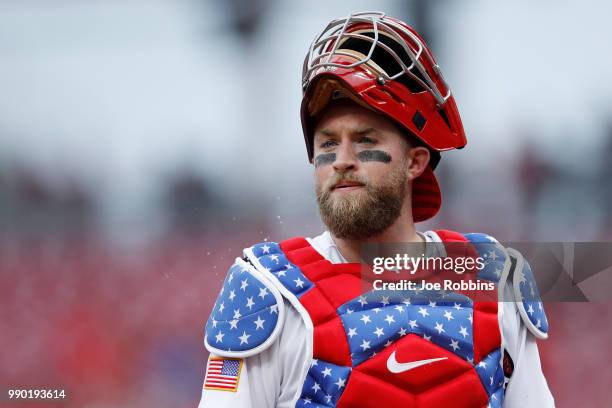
x=327, y=143
x=367, y=140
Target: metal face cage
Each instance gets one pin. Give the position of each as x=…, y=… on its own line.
x=328, y=44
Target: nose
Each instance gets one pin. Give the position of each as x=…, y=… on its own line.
x=346, y=159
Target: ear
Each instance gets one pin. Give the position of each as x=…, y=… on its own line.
x=418, y=160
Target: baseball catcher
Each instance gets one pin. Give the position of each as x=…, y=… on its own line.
x=293, y=325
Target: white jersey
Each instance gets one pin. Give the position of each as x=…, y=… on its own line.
x=275, y=376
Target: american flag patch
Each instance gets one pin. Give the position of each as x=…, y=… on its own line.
x=223, y=374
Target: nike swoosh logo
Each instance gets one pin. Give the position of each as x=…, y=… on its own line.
x=397, y=368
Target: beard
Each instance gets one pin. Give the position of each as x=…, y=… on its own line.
x=365, y=212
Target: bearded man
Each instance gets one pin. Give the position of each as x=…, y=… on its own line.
x=293, y=324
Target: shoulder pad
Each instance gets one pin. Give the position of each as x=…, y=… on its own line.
x=496, y=259
x=527, y=296
x=247, y=316
x=269, y=258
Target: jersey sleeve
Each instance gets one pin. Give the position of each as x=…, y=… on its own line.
x=527, y=386
x=523, y=320
x=270, y=379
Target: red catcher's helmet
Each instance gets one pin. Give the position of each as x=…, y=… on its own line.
x=384, y=65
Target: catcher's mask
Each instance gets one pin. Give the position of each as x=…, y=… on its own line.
x=384, y=65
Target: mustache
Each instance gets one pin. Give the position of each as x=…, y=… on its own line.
x=341, y=178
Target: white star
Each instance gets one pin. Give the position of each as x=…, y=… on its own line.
x=432, y=304
x=379, y=332
x=352, y=332
x=314, y=362
x=540, y=305
x=530, y=310
x=426, y=337
x=326, y=372
x=457, y=306
x=539, y=324
x=237, y=314
x=389, y=319
x=385, y=300
x=497, y=272
x=348, y=311
x=250, y=303
x=448, y=315
x=244, y=284
x=274, y=258
x=281, y=273
x=265, y=248
x=365, y=345
x=492, y=255
x=214, y=323
x=491, y=380
x=263, y=292
x=376, y=310
x=362, y=301
x=413, y=324
x=423, y=311
x=340, y=383
x=365, y=319
x=470, y=318
x=470, y=360
x=406, y=301
x=233, y=324
x=259, y=323
x=221, y=307
x=219, y=337
x=230, y=278
x=244, y=338
x=299, y=283
x=328, y=398
x=482, y=364
x=439, y=327
x=454, y=344
x=388, y=343
x=399, y=308
x=463, y=332
x=274, y=309
x=316, y=387
x=402, y=332
x=307, y=401
x=288, y=266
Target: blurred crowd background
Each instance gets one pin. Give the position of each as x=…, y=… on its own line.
x=143, y=144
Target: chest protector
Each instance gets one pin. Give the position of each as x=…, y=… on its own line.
x=375, y=349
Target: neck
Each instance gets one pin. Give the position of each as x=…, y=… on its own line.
x=401, y=231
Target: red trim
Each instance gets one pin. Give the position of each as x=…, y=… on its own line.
x=336, y=284
x=487, y=336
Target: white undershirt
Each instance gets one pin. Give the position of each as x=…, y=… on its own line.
x=274, y=377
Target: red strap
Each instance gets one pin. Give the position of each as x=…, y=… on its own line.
x=451, y=236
